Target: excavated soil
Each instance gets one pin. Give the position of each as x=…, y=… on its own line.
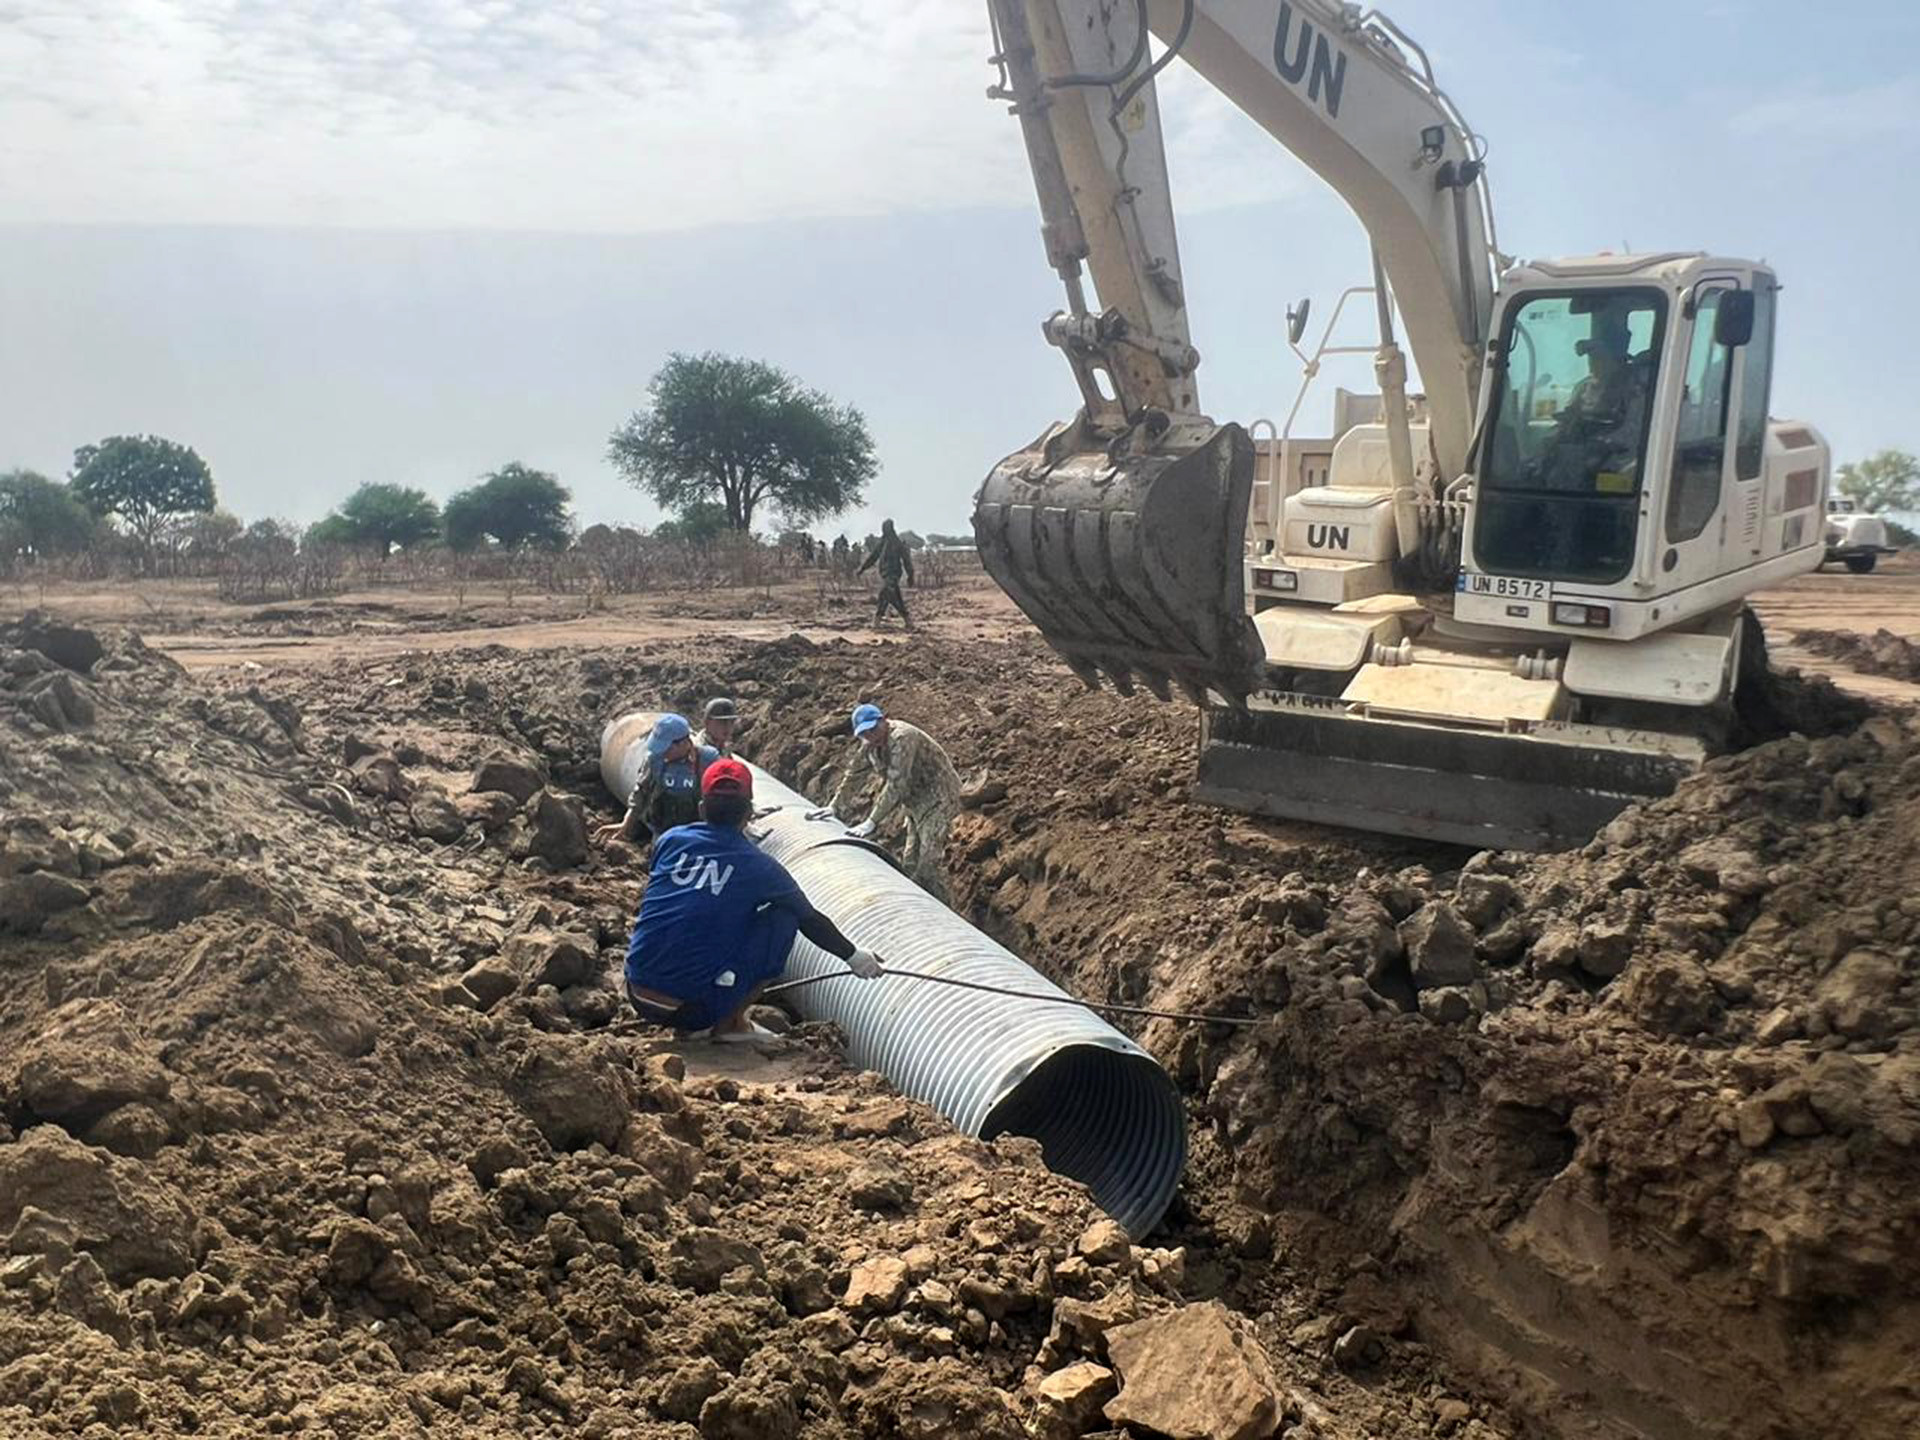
x=1881, y=653
x=317, y=1122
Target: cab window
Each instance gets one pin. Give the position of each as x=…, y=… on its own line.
x=1700, y=430
x=1565, y=452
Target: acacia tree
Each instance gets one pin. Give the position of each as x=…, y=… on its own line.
x=39, y=516
x=743, y=434
x=1887, y=480
x=145, y=480
x=384, y=517
x=514, y=506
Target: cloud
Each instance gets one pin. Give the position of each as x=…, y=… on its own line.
x=584, y=115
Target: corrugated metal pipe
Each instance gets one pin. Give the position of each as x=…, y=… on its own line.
x=1103, y=1110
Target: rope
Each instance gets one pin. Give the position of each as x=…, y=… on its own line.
x=1098, y=1007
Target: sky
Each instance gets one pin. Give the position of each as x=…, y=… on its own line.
x=411, y=240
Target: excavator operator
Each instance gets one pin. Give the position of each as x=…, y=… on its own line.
x=1595, y=444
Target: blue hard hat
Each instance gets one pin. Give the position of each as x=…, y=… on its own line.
x=668, y=731
x=865, y=717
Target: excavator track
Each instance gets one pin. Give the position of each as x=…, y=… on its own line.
x=1549, y=787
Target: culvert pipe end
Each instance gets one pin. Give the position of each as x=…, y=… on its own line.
x=1102, y=1109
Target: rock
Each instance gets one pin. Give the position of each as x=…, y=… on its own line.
x=552, y=957
x=87, y=1060
x=750, y=1408
x=1450, y=1414
x=1105, y=1242
x=82, y=1291
x=1837, y=1090
x=1439, y=946
x=27, y=902
x=491, y=810
x=1725, y=865
x=1753, y=1123
x=1556, y=952
x=877, y=1286
x=574, y=1096
x=879, y=1186
x=435, y=816
x=1781, y=1024
x=1359, y=1348
x=699, y=1259
x=590, y=1006
x=38, y=1233
x=381, y=777
x=984, y=792
x=134, y=1130
x=510, y=774
x=1080, y=1327
x=491, y=981
x=1789, y=1105
x=1673, y=994
x=687, y=1388
x=1192, y=1374
x=1068, y=1401
x=552, y=828
x=61, y=703
x=70, y=646
x=1855, y=996
x=131, y=1224
x=1606, y=945
x=939, y=1400
x=1484, y=896
x=1447, y=1005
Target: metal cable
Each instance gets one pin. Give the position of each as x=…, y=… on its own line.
x=1099, y=1007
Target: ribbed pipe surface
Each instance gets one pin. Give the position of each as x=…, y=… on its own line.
x=1103, y=1110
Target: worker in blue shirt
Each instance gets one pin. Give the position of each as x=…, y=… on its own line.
x=719, y=917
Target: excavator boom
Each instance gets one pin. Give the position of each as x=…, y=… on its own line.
x=1120, y=532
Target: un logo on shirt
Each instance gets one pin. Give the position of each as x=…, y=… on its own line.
x=700, y=872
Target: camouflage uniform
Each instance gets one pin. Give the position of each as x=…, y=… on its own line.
x=919, y=780
x=666, y=795
x=893, y=560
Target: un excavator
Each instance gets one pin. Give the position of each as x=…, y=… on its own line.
x=1494, y=613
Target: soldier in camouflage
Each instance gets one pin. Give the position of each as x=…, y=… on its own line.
x=918, y=780
x=893, y=559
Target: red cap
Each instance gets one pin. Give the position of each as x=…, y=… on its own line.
x=726, y=773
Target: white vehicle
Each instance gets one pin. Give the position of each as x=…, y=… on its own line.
x=1854, y=538
x=1496, y=617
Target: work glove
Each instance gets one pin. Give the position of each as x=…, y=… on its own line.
x=864, y=963
x=825, y=812
x=862, y=830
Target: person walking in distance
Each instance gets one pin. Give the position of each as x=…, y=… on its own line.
x=891, y=559
x=917, y=779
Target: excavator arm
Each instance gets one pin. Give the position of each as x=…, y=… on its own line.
x=1120, y=532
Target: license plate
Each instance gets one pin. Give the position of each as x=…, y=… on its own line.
x=1502, y=587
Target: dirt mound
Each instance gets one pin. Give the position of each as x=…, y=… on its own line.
x=1881, y=653
x=313, y=1120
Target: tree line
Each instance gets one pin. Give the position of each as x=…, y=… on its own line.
x=720, y=442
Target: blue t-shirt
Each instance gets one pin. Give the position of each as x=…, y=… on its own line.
x=715, y=907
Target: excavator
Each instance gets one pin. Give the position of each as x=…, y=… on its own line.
x=1493, y=613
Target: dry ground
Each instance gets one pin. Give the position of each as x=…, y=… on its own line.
x=1640, y=1164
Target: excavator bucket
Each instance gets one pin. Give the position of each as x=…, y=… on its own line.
x=1131, y=567
x=1550, y=787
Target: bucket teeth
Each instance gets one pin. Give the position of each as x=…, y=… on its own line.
x=1131, y=568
